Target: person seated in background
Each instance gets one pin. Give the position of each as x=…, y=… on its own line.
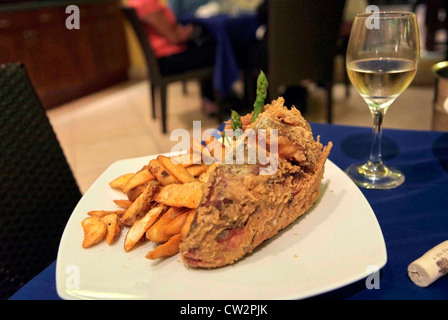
x=177, y=47
x=181, y=7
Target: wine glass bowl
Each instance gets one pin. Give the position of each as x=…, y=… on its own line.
x=381, y=62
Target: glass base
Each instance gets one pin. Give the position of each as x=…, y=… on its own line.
x=371, y=175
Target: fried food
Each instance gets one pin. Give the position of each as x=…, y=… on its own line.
x=205, y=175
x=146, y=218
x=158, y=231
x=177, y=170
x=124, y=203
x=140, y=226
x=134, y=193
x=161, y=173
x=181, y=195
x=141, y=205
x=214, y=214
x=138, y=179
x=240, y=208
x=121, y=181
x=114, y=227
x=94, y=231
x=175, y=226
x=167, y=249
x=196, y=169
x=186, y=227
x=102, y=213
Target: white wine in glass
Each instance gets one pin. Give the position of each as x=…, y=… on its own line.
x=381, y=63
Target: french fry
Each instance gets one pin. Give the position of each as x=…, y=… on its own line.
x=94, y=231
x=139, y=227
x=102, y=213
x=114, y=227
x=156, y=232
x=175, y=226
x=186, y=159
x=206, y=156
x=196, y=169
x=121, y=181
x=124, y=203
x=177, y=170
x=138, y=179
x=187, y=224
x=161, y=173
x=199, y=151
x=160, y=184
x=167, y=249
x=181, y=195
x=141, y=205
x=205, y=175
x=135, y=192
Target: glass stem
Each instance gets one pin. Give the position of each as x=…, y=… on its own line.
x=375, y=152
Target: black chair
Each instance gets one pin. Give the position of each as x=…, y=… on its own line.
x=156, y=78
x=38, y=190
x=302, y=44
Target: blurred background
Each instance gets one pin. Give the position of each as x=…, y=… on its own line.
x=95, y=82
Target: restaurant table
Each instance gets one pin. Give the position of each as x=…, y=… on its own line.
x=413, y=217
x=228, y=31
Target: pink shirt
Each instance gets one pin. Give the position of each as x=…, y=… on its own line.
x=160, y=45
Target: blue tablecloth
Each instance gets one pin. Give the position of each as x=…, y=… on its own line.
x=228, y=31
x=413, y=217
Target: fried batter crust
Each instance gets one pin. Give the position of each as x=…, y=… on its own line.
x=241, y=208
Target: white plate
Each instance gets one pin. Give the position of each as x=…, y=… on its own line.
x=336, y=243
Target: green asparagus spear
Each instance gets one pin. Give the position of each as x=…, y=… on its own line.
x=235, y=120
x=262, y=90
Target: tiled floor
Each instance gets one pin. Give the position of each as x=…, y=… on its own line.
x=116, y=123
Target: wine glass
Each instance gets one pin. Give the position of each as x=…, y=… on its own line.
x=381, y=60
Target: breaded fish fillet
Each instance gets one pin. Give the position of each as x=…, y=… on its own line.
x=241, y=208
